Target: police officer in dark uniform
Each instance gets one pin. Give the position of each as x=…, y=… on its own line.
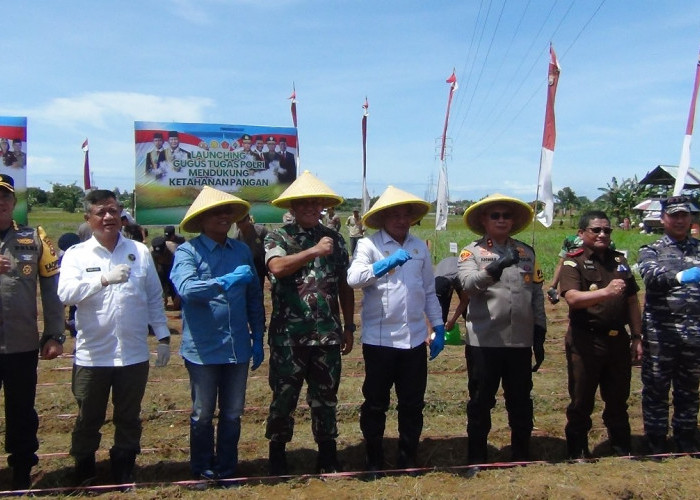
x=671, y=323
x=601, y=293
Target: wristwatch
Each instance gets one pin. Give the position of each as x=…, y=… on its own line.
x=351, y=327
x=60, y=338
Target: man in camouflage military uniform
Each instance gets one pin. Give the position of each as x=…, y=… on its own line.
x=601, y=293
x=671, y=324
x=308, y=263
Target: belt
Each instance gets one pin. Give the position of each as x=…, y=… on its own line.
x=601, y=331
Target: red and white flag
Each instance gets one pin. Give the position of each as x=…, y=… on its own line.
x=293, y=98
x=365, y=193
x=452, y=80
x=86, y=167
x=684, y=164
x=544, y=181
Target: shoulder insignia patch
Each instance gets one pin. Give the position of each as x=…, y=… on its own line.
x=575, y=253
x=569, y=263
x=464, y=255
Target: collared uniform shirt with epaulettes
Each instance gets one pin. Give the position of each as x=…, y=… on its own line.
x=503, y=312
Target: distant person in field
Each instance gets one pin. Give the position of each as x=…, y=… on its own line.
x=394, y=270
x=27, y=259
x=670, y=268
x=114, y=283
x=355, y=229
x=222, y=328
x=601, y=292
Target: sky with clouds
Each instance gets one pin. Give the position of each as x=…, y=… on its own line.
x=80, y=69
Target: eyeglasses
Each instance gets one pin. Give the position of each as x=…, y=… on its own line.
x=500, y=215
x=598, y=230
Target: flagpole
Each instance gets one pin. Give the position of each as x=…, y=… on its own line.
x=441, y=202
x=365, y=193
x=293, y=109
x=684, y=163
x=86, y=167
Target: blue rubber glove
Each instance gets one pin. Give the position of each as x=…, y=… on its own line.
x=399, y=257
x=438, y=341
x=258, y=353
x=691, y=275
x=242, y=275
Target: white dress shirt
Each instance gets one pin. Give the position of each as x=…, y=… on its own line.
x=112, y=321
x=395, y=306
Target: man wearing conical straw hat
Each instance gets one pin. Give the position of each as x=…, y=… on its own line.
x=505, y=321
x=308, y=263
x=222, y=327
x=395, y=272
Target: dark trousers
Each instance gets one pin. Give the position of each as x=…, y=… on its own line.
x=18, y=377
x=289, y=366
x=444, y=291
x=91, y=387
x=667, y=363
x=407, y=371
x=487, y=368
x=593, y=360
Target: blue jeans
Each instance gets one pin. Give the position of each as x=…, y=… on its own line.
x=207, y=382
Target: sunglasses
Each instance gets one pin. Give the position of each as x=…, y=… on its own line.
x=598, y=230
x=500, y=215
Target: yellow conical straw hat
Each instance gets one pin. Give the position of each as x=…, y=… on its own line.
x=522, y=213
x=393, y=197
x=207, y=199
x=307, y=186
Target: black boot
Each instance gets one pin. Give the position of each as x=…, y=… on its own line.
x=577, y=446
x=327, y=461
x=375, y=454
x=84, y=473
x=657, y=444
x=476, y=448
x=620, y=441
x=520, y=446
x=277, y=463
x=685, y=442
x=21, y=477
x=122, y=465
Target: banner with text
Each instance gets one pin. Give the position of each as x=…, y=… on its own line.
x=13, y=151
x=175, y=160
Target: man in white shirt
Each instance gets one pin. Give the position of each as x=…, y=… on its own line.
x=114, y=284
x=394, y=270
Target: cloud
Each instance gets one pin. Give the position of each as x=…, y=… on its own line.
x=100, y=109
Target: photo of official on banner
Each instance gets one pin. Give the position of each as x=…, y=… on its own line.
x=13, y=160
x=174, y=161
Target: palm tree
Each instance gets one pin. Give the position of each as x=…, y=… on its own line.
x=567, y=200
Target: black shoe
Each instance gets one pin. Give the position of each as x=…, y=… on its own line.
x=577, y=446
x=122, y=464
x=84, y=473
x=277, y=464
x=520, y=447
x=375, y=455
x=21, y=477
x=327, y=461
x=686, y=443
x=656, y=444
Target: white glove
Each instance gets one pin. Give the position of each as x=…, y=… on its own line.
x=163, y=354
x=118, y=274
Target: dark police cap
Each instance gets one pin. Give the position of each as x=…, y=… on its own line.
x=173, y=133
x=158, y=244
x=271, y=139
x=245, y=137
x=7, y=183
x=67, y=240
x=676, y=204
x=169, y=230
x=157, y=135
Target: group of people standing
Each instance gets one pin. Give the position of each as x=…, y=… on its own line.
x=218, y=280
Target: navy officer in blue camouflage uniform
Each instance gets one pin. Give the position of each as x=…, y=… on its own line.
x=308, y=264
x=671, y=327
x=601, y=293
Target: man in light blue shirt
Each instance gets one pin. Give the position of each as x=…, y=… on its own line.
x=223, y=324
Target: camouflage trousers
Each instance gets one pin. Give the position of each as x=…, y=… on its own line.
x=665, y=363
x=290, y=366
